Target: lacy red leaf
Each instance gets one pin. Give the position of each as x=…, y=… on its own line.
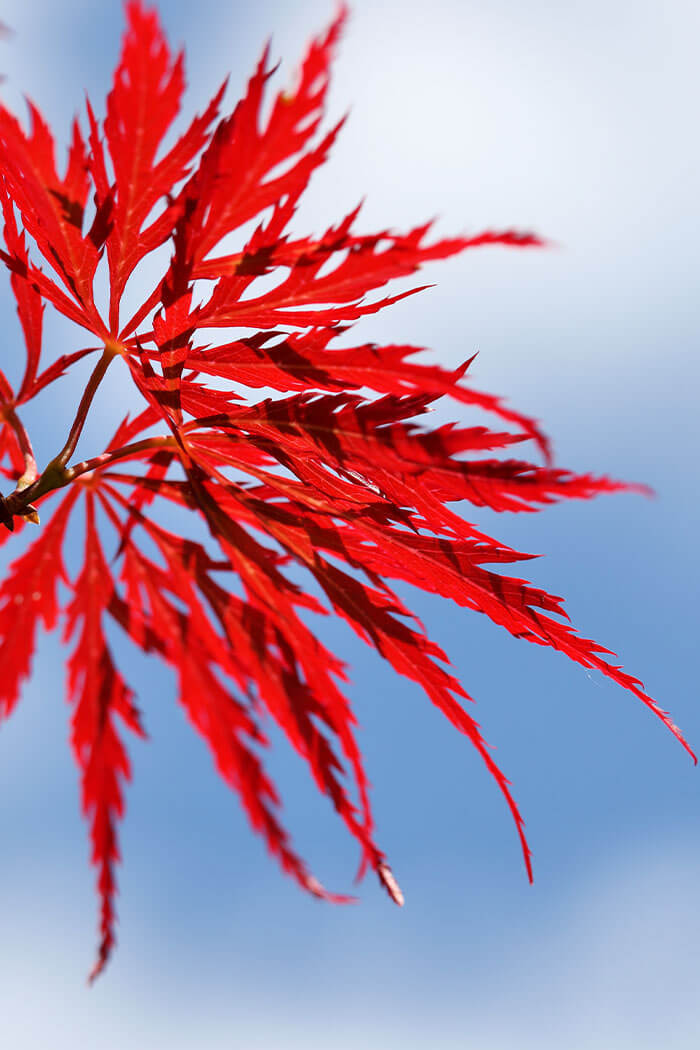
x=337, y=479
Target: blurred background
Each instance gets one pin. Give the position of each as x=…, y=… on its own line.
x=578, y=121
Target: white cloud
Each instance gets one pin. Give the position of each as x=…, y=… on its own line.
x=614, y=966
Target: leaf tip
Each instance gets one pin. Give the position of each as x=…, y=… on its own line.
x=388, y=881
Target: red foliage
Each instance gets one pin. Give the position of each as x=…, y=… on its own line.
x=329, y=478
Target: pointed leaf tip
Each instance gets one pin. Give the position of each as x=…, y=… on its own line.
x=388, y=881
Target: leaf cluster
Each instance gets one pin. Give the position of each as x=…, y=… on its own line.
x=336, y=478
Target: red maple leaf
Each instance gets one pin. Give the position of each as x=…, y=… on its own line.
x=338, y=477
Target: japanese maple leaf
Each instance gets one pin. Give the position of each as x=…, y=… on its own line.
x=338, y=477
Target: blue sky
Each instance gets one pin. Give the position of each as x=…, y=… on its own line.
x=576, y=120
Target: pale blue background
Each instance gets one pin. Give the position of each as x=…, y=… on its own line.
x=578, y=120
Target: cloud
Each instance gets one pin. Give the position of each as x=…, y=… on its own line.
x=614, y=965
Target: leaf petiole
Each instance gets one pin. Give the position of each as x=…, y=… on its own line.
x=107, y=458
x=32, y=485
